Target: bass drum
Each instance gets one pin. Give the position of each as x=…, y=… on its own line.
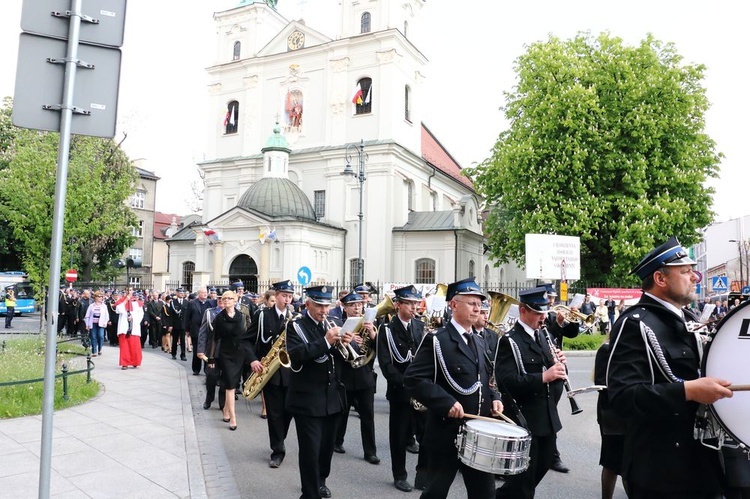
x=726, y=357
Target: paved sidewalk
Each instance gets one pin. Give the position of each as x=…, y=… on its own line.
x=137, y=439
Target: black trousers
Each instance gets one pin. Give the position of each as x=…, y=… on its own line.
x=196, y=362
x=364, y=401
x=178, y=334
x=522, y=486
x=401, y=427
x=10, y=312
x=443, y=465
x=278, y=419
x=154, y=333
x=212, y=382
x=61, y=321
x=315, y=437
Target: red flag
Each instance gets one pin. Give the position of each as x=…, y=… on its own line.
x=357, y=97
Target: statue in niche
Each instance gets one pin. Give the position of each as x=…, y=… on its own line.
x=294, y=109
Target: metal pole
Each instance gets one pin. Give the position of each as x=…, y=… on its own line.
x=360, y=262
x=58, y=219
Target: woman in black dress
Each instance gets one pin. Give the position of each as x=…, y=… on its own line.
x=235, y=348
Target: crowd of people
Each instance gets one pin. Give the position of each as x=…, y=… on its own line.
x=438, y=374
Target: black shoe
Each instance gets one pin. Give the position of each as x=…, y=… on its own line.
x=402, y=485
x=174, y=357
x=196, y=374
x=413, y=448
x=182, y=357
x=372, y=459
x=339, y=449
x=207, y=405
x=275, y=462
x=558, y=466
x=324, y=491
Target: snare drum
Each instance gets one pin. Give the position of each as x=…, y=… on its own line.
x=499, y=448
x=726, y=357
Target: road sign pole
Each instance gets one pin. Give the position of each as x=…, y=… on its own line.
x=66, y=117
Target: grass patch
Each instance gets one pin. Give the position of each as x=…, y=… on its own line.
x=584, y=342
x=23, y=359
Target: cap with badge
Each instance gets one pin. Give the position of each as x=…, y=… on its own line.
x=485, y=305
x=535, y=299
x=322, y=295
x=180, y=290
x=669, y=254
x=237, y=285
x=407, y=293
x=362, y=288
x=212, y=290
x=283, y=286
x=464, y=287
x=352, y=298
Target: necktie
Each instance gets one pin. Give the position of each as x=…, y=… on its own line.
x=472, y=345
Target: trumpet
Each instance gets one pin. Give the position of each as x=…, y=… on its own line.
x=347, y=351
x=574, y=316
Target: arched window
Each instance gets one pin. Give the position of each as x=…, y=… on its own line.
x=187, y=275
x=354, y=271
x=243, y=268
x=472, y=273
x=232, y=117
x=407, y=103
x=362, y=98
x=236, y=51
x=424, y=271
x=365, y=23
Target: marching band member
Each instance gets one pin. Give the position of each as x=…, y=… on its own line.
x=527, y=369
x=450, y=376
x=315, y=396
x=268, y=324
x=397, y=344
x=653, y=380
x=360, y=386
x=490, y=336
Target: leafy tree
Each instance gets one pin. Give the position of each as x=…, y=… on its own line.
x=98, y=224
x=606, y=142
x=10, y=258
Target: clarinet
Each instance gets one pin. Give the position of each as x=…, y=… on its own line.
x=574, y=407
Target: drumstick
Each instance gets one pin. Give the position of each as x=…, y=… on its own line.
x=485, y=418
x=739, y=388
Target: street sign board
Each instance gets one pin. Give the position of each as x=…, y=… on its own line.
x=51, y=18
x=71, y=275
x=719, y=284
x=304, y=276
x=746, y=290
x=40, y=83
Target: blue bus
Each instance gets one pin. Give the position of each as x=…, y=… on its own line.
x=24, y=293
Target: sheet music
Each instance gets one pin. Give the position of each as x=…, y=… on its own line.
x=708, y=309
x=370, y=314
x=350, y=324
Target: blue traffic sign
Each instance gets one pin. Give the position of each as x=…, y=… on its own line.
x=746, y=290
x=304, y=276
x=719, y=284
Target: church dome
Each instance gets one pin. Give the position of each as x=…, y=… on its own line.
x=276, y=198
x=276, y=142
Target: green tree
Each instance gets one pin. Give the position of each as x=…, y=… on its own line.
x=97, y=225
x=10, y=247
x=606, y=142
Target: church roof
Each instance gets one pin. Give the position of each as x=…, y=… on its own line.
x=435, y=154
x=276, y=142
x=277, y=197
x=428, y=221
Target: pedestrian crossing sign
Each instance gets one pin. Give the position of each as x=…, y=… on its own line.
x=719, y=284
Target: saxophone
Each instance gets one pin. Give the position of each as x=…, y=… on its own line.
x=275, y=358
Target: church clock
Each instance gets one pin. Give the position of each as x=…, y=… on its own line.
x=296, y=40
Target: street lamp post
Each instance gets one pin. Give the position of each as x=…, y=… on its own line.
x=739, y=251
x=360, y=175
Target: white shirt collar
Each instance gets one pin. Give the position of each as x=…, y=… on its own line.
x=529, y=330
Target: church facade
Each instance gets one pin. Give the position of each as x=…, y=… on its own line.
x=292, y=108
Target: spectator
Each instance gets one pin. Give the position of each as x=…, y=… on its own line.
x=96, y=320
x=602, y=317
x=611, y=309
x=10, y=306
x=587, y=308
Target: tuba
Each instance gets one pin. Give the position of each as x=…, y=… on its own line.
x=367, y=348
x=500, y=304
x=275, y=358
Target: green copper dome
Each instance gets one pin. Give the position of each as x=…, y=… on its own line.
x=278, y=198
x=276, y=142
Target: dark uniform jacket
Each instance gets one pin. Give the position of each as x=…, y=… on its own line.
x=394, y=335
x=314, y=385
x=523, y=380
x=176, y=311
x=154, y=311
x=426, y=381
x=193, y=315
x=264, y=331
x=660, y=452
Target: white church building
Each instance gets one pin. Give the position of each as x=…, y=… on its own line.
x=293, y=108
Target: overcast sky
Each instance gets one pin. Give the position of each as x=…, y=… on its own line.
x=470, y=46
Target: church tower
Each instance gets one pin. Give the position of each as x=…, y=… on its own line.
x=368, y=16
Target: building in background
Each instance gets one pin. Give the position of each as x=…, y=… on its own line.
x=286, y=102
x=724, y=253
